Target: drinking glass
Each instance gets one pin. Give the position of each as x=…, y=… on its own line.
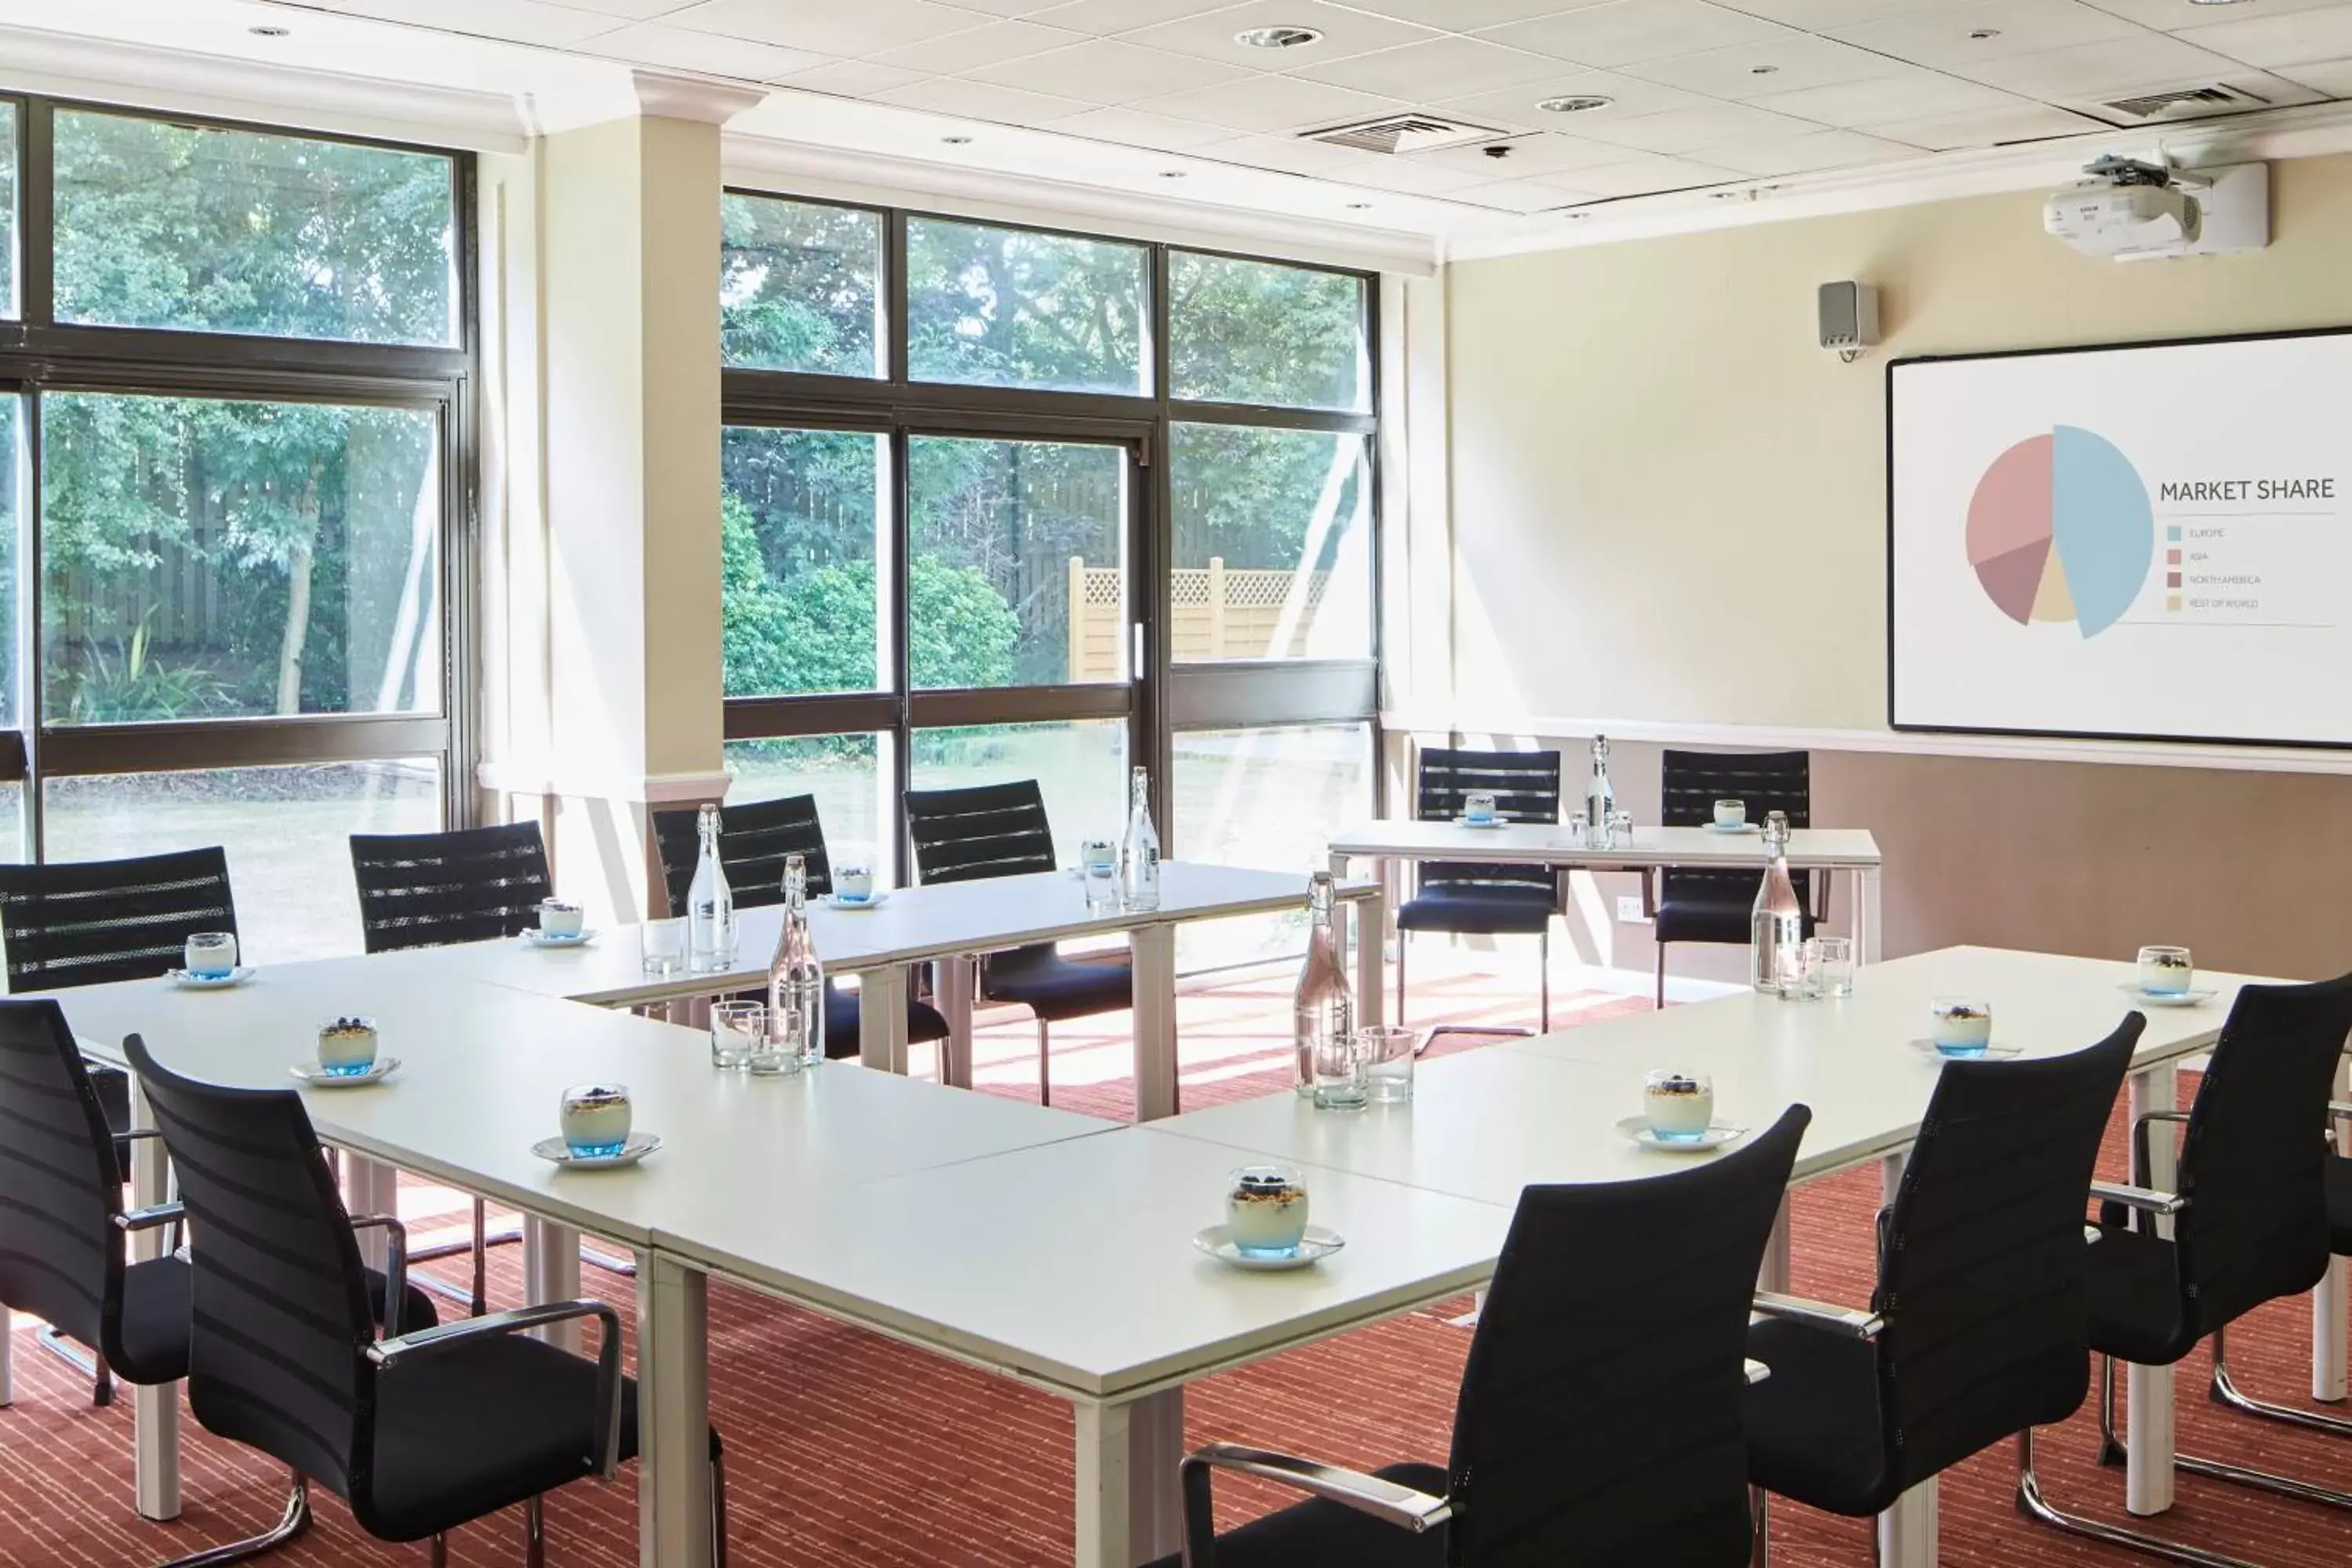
x=1098, y=865
x=1621, y=830
x=1828, y=965
x=1343, y=1073
x=212, y=954
x=1389, y=1055
x=1580, y=831
x=663, y=946
x=738, y=1031
x=776, y=1049
x=2164, y=970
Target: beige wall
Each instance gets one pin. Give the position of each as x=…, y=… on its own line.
x=1667, y=504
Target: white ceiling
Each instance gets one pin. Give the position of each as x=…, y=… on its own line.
x=1146, y=93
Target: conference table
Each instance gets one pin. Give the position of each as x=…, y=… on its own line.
x=1848, y=850
x=1054, y=1249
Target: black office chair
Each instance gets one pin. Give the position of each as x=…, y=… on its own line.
x=2250, y=1223
x=1600, y=1418
x=420, y=1431
x=64, y=1233
x=1975, y=1330
x=1468, y=898
x=754, y=840
x=1692, y=905
x=1000, y=830
x=88, y=923
x=432, y=889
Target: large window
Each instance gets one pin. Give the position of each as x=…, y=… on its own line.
x=236, y=360
x=1070, y=503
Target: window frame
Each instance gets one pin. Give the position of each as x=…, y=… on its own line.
x=39, y=355
x=1161, y=698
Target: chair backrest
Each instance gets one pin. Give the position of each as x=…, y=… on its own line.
x=428, y=889
x=1601, y=1417
x=60, y=1185
x=990, y=830
x=2253, y=1160
x=1690, y=782
x=753, y=840
x=280, y=1322
x=1526, y=786
x=84, y=922
x=1982, y=1262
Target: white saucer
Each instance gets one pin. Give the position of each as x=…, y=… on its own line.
x=847, y=907
x=1636, y=1130
x=1481, y=827
x=2191, y=998
x=1929, y=1048
x=639, y=1145
x=1217, y=1241
x=1742, y=827
x=187, y=982
x=541, y=939
x=318, y=1076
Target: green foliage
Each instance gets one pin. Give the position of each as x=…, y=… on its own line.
x=796, y=285
x=1249, y=332
x=128, y=687
x=8, y=142
x=1001, y=307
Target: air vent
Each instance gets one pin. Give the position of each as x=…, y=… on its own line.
x=2187, y=102
x=1401, y=133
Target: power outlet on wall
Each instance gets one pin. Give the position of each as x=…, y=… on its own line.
x=1629, y=910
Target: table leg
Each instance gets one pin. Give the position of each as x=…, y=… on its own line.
x=369, y=1187
x=1869, y=918
x=1774, y=1275
x=1371, y=971
x=8, y=1360
x=882, y=1018
x=2327, y=1302
x=674, y=1414
x=953, y=982
x=2148, y=1437
x=1907, y=1531
x=551, y=1272
x=1131, y=1508
x=1152, y=952
x=155, y=1411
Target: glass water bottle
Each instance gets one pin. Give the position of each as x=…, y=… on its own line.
x=1138, y=856
x=1326, y=1007
x=1777, y=930
x=709, y=904
x=1599, y=797
x=796, y=975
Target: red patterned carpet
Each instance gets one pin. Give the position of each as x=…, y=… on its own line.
x=845, y=1448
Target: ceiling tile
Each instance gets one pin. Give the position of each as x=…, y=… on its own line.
x=1130, y=128
x=1543, y=156
x=1289, y=155
x=1708, y=125
x=2297, y=38
x=2174, y=15
x=1102, y=17
x=853, y=27
x=1345, y=32
x=675, y=48
x=984, y=45
x=1469, y=16
x=517, y=21
x=1007, y=7
x=850, y=79
x=1819, y=15
x=2143, y=61
x=2331, y=77
x=1414, y=174
x=1442, y=67
x=1647, y=174
x=1910, y=94
x=629, y=10
x=1948, y=133
x=1103, y=71
x=1778, y=65
x=1810, y=153
x=1631, y=30
x=1515, y=107
x=968, y=99
x=1521, y=196
x=1941, y=38
x=1262, y=103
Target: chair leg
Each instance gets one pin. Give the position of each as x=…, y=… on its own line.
x=481, y=1259
x=1662, y=975
x=1045, y=1073
x=439, y=1556
x=1543, y=979
x=718, y=1510
x=291, y=1524
x=102, y=1382
x=1759, y=1509
x=534, y=1534
x=2224, y=1391
x=1400, y=1006
x=2034, y=1506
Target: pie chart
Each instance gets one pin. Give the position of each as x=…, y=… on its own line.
x=2060, y=529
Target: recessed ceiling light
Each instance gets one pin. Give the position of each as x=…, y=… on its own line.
x=956, y=140
x=1171, y=173
x=270, y=32
x=1278, y=38
x=1576, y=103
x=1985, y=35
x=2212, y=2
x=1725, y=195
x=1763, y=71
x=1360, y=206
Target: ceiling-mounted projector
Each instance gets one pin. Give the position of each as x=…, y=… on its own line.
x=2132, y=210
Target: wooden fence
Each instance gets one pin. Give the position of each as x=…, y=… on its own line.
x=1217, y=614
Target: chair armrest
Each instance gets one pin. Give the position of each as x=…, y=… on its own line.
x=1846, y=1320
x=1384, y=1500
x=395, y=1266
x=389, y=1353
x=1757, y=1371
x=2339, y=1111
x=2147, y=1200
x=132, y=1221
x=138, y=1132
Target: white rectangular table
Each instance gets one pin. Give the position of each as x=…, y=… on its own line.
x=1834, y=850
